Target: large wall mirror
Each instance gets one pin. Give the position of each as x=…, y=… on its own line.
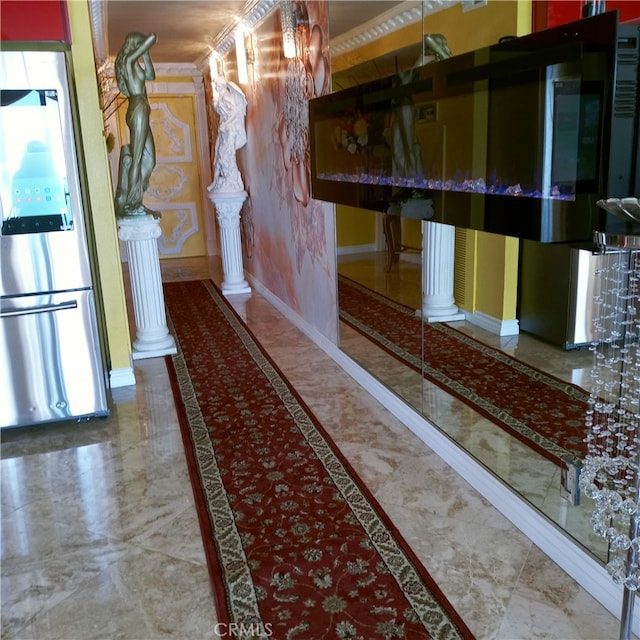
x=381, y=278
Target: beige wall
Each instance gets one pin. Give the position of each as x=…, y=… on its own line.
x=292, y=255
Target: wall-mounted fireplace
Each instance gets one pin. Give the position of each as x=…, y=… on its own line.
x=520, y=138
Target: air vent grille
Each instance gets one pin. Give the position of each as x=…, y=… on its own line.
x=625, y=99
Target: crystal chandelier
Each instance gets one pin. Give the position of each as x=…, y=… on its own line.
x=610, y=475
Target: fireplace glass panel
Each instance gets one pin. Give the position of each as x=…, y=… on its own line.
x=506, y=139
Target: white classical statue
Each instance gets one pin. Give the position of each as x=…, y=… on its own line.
x=231, y=105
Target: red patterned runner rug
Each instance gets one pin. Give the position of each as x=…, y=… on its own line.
x=297, y=547
x=544, y=412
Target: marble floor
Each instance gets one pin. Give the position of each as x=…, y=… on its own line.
x=100, y=537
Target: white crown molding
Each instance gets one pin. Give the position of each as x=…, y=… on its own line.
x=254, y=12
x=163, y=69
x=387, y=22
x=178, y=69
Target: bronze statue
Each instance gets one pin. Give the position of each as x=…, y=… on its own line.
x=407, y=157
x=133, y=67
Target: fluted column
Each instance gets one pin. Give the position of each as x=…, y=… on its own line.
x=438, y=254
x=228, y=205
x=141, y=233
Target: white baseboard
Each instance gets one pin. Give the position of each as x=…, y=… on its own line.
x=121, y=377
x=588, y=572
x=493, y=325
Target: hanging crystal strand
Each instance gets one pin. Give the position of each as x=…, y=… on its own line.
x=610, y=473
x=628, y=362
x=630, y=441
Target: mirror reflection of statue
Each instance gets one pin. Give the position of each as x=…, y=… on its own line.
x=405, y=147
x=406, y=158
x=436, y=47
x=133, y=67
x=231, y=105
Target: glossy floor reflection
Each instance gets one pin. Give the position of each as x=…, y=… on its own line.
x=532, y=475
x=100, y=536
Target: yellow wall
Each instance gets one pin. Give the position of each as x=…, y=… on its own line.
x=412, y=233
x=355, y=226
x=99, y=183
x=486, y=270
x=497, y=262
x=490, y=270
x=469, y=30
x=464, y=30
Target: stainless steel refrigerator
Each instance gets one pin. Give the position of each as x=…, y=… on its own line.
x=557, y=288
x=51, y=362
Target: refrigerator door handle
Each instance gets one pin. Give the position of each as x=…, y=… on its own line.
x=45, y=308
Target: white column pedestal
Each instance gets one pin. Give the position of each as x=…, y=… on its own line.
x=228, y=205
x=141, y=235
x=438, y=254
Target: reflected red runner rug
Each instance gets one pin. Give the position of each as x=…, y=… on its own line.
x=297, y=547
x=542, y=411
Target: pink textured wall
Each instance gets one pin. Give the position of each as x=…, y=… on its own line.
x=293, y=234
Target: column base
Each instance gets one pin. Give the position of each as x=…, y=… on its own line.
x=447, y=317
x=233, y=289
x=155, y=349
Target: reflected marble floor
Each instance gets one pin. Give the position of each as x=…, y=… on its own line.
x=532, y=475
x=100, y=536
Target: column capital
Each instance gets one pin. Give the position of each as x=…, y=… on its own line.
x=228, y=206
x=145, y=227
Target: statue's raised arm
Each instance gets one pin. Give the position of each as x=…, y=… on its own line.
x=133, y=68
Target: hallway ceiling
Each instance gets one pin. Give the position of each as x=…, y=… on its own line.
x=187, y=28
